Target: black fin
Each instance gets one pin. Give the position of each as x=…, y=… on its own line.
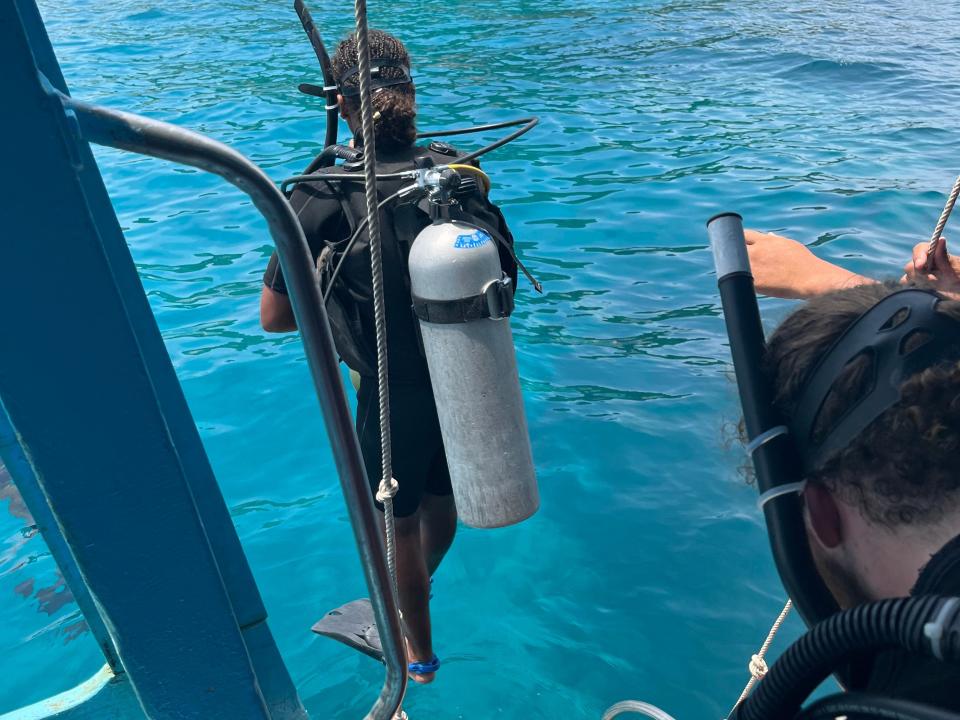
x=353, y=625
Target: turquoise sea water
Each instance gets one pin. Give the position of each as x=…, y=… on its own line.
x=646, y=573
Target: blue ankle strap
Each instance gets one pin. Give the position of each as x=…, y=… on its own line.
x=424, y=668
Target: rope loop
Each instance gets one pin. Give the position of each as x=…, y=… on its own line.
x=758, y=667
x=387, y=491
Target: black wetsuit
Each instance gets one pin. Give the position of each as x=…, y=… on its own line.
x=900, y=675
x=324, y=210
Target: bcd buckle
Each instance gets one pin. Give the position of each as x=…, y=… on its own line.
x=499, y=297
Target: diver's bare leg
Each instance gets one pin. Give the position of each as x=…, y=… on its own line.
x=413, y=586
x=438, y=525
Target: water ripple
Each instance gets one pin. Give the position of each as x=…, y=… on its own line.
x=830, y=122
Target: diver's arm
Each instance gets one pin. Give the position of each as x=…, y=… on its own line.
x=320, y=214
x=785, y=268
x=276, y=312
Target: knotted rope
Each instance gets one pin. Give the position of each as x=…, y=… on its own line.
x=758, y=666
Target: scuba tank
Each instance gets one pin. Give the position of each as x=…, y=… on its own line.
x=463, y=302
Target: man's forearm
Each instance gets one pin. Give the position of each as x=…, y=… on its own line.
x=828, y=277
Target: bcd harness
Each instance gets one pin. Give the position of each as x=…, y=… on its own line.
x=349, y=298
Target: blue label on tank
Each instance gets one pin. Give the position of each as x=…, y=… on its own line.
x=478, y=238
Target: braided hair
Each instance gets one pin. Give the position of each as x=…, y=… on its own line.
x=394, y=107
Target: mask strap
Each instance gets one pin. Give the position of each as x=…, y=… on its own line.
x=780, y=490
x=765, y=437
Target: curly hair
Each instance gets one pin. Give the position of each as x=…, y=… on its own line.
x=394, y=107
x=904, y=468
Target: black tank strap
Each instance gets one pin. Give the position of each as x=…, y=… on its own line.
x=494, y=302
x=408, y=220
x=347, y=210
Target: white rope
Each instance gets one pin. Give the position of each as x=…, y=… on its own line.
x=779, y=491
x=758, y=666
x=388, y=485
x=944, y=216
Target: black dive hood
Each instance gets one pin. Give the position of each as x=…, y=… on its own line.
x=775, y=458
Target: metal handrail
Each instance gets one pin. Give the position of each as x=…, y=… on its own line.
x=126, y=131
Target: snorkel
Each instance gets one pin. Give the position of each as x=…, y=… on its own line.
x=770, y=446
x=329, y=89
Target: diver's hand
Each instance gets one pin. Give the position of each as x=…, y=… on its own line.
x=786, y=268
x=940, y=268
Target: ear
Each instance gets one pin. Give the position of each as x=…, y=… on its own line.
x=823, y=515
x=340, y=102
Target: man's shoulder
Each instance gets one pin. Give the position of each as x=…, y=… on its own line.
x=314, y=192
x=912, y=677
x=905, y=676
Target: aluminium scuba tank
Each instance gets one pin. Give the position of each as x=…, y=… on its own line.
x=463, y=302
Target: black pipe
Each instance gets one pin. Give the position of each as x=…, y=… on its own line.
x=926, y=625
x=329, y=155
x=531, y=122
x=774, y=461
x=473, y=129
x=326, y=68
x=859, y=706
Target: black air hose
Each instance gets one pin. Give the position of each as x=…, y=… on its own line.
x=861, y=706
x=926, y=625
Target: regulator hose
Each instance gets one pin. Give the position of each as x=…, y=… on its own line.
x=473, y=129
x=927, y=625
x=529, y=124
x=328, y=156
x=859, y=706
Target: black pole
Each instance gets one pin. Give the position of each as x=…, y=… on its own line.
x=326, y=68
x=775, y=460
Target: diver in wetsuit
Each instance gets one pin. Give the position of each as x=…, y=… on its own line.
x=881, y=508
x=426, y=516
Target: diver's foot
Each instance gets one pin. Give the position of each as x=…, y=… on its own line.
x=422, y=678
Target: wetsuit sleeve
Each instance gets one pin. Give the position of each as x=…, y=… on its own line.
x=320, y=217
x=273, y=278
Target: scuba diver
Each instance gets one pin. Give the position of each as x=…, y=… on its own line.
x=881, y=500
x=331, y=214
x=852, y=413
